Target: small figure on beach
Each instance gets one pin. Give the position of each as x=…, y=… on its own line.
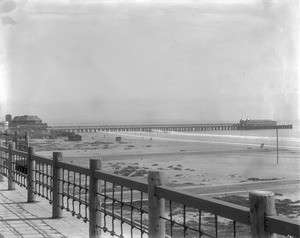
x=262, y=145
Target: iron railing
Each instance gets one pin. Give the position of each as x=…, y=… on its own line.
x=125, y=207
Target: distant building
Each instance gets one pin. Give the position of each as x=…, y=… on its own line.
x=74, y=137
x=8, y=118
x=257, y=124
x=32, y=124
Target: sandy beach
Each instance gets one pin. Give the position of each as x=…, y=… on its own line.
x=186, y=160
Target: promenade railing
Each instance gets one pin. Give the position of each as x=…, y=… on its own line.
x=21, y=140
x=125, y=207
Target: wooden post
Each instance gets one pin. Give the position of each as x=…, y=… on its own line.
x=57, y=186
x=277, y=144
x=6, y=142
x=11, y=167
x=15, y=139
x=156, y=205
x=1, y=163
x=94, y=200
x=30, y=175
x=27, y=138
x=262, y=204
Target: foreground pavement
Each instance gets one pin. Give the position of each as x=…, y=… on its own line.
x=21, y=219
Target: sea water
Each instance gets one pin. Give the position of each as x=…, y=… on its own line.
x=287, y=138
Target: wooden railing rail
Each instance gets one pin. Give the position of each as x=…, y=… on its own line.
x=19, y=153
x=282, y=225
x=7, y=135
x=214, y=206
x=4, y=149
x=73, y=168
x=42, y=159
x=122, y=181
x=21, y=140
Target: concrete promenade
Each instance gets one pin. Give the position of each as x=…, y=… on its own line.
x=21, y=219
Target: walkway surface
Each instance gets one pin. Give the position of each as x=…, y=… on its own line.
x=21, y=219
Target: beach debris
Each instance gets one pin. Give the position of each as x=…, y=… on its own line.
x=176, y=168
x=105, y=146
x=97, y=143
x=188, y=169
x=278, y=194
x=258, y=179
x=132, y=171
x=178, y=175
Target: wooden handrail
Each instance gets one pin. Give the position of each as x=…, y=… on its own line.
x=224, y=209
x=283, y=226
x=122, y=181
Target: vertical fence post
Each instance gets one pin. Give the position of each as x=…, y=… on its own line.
x=6, y=140
x=1, y=163
x=277, y=145
x=57, y=186
x=15, y=139
x=94, y=200
x=262, y=204
x=11, y=167
x=30, y=175
x=156, y=205
x=27, y=138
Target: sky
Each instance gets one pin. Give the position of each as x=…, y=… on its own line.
x=134, y=62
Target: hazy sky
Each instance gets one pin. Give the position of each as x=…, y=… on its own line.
x=149, y=61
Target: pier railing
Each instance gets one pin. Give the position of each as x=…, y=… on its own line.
x=125, y=207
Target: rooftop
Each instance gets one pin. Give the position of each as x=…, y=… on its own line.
x=26, y=118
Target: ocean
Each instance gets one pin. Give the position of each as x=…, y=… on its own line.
x=287, y=138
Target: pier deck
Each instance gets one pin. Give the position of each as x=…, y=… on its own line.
x=166, y=127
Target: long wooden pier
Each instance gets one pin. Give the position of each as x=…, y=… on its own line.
x=165, y=127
